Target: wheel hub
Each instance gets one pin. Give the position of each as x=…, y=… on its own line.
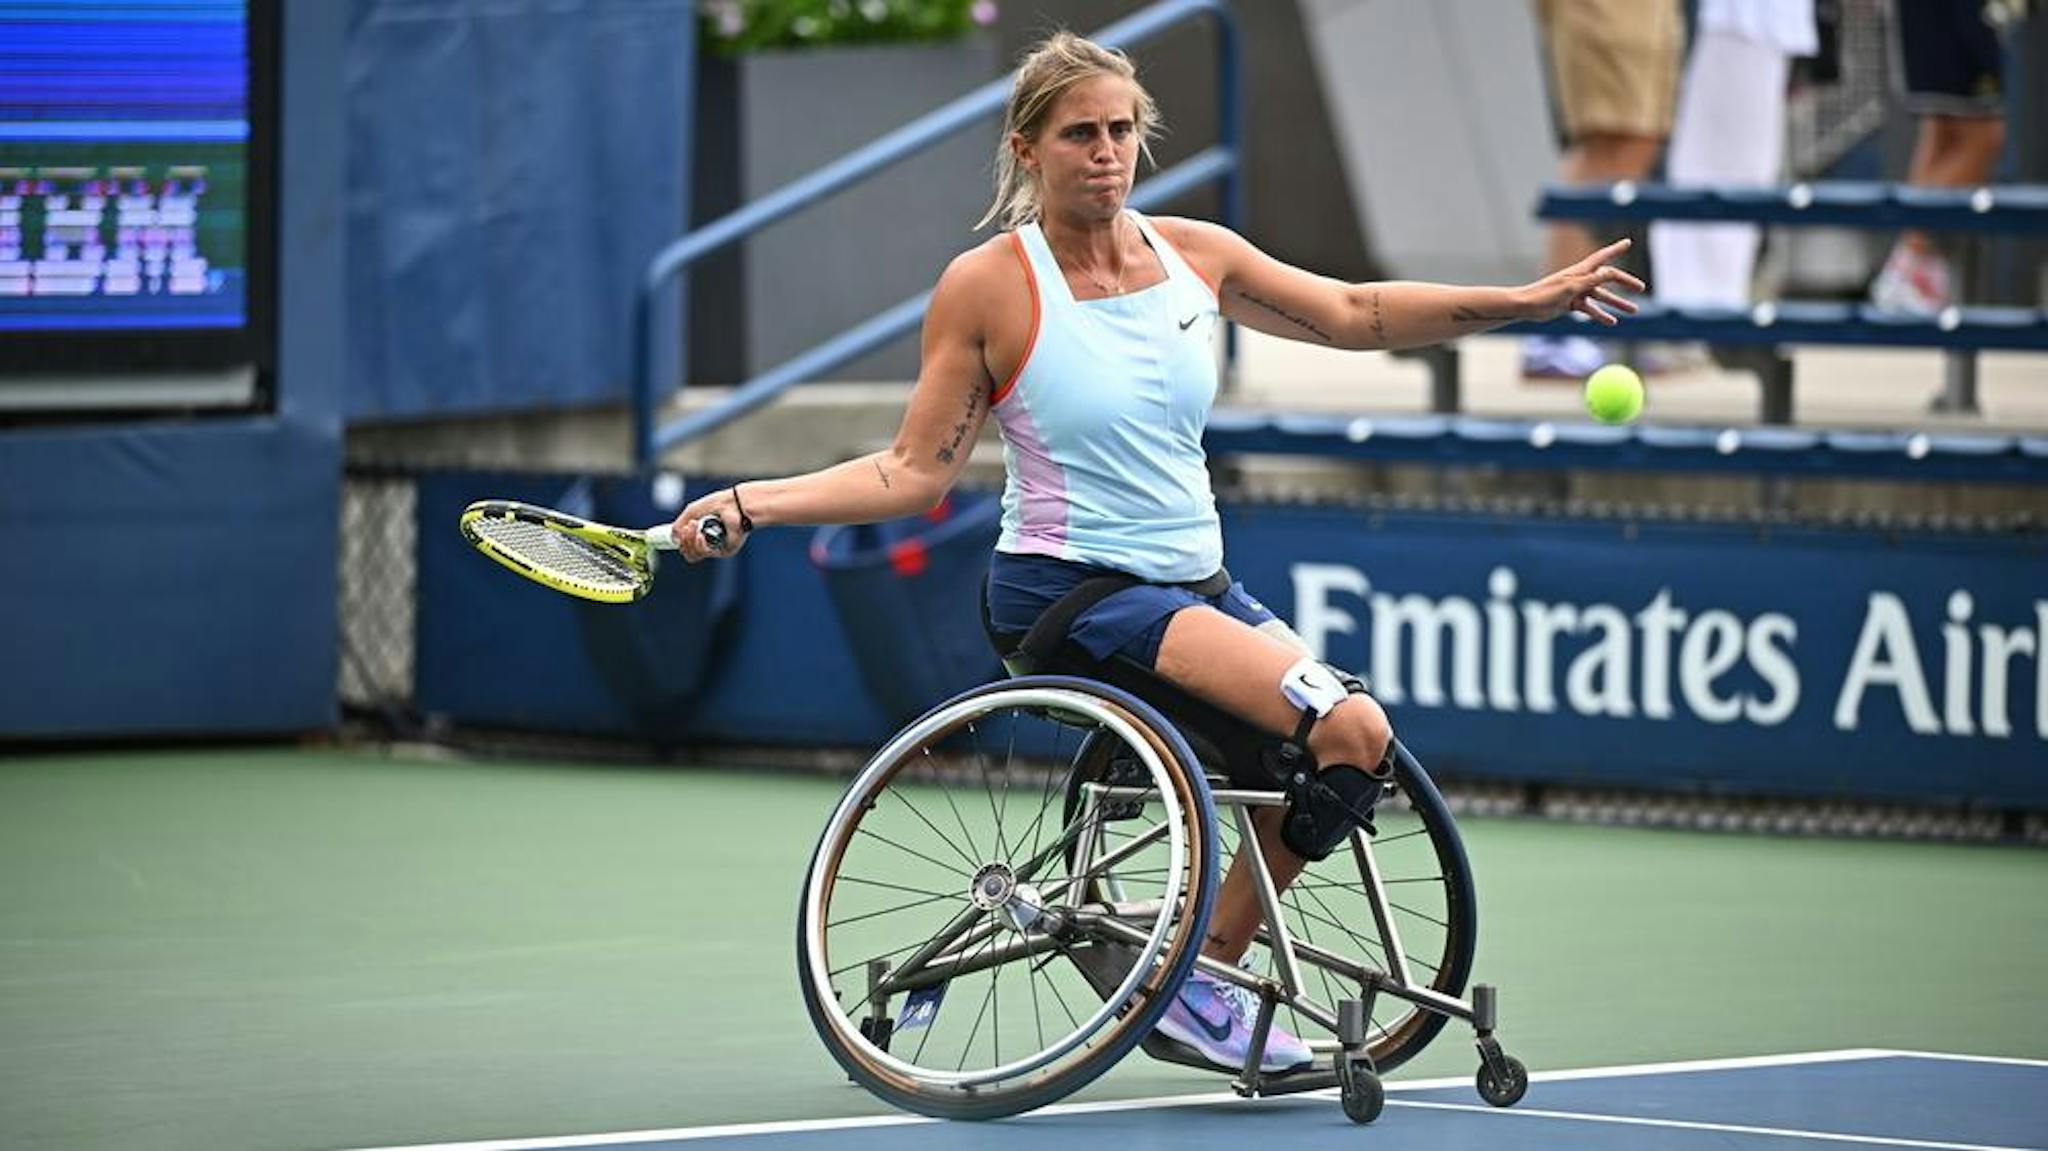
x=993, y=885
x=1017, y=905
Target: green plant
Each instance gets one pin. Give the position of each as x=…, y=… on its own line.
x=735, y=26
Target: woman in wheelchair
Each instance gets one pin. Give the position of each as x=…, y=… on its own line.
x=1090, y=331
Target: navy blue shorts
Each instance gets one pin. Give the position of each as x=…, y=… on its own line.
x=1129, y=624
x=1950, y=60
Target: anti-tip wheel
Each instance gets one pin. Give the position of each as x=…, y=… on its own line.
x=1505, y=1090
x=1360, y=1090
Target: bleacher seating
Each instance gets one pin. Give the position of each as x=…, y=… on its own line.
x=1753, y=338
x=1542, y=444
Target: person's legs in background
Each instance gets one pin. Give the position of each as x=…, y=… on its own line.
x=1730, y=131
x=1614, y=72
x=1951, y=64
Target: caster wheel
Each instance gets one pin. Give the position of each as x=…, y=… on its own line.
x=1360, y=1090
x=1504, y=1090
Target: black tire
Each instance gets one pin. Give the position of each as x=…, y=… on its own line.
x=834, y=927
x=1505, y=1091
x=1360, y=1091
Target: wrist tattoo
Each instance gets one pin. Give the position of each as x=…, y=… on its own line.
x=1301, y=322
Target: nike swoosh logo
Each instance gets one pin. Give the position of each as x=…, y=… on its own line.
x=1184, y=326
x=1217, y=1031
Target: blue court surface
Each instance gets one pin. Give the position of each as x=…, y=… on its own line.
x=1850, y=1098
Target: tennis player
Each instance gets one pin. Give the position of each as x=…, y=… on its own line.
x=1089, y=331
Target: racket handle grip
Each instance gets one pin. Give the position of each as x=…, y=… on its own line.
x=661, y=539
x=713, y=530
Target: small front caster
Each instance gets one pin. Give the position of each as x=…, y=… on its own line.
x=1505, y=1084
x=1359, y=1088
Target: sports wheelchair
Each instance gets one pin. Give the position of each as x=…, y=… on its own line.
x=1011, y=891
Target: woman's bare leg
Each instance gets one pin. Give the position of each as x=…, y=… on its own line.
x=1238, y=668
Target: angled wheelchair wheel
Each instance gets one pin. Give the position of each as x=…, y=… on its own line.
x=1423, y=934
x=957, y=955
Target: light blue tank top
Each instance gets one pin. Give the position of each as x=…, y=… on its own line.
x=1102, y=425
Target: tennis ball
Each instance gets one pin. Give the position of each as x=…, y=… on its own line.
x=1614, y=394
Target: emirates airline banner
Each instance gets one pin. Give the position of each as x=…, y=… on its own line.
x=1763, y=660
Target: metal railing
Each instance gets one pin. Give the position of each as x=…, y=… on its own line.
x=1221, y=162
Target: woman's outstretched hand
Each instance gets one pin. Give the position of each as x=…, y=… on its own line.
x=1587, y=287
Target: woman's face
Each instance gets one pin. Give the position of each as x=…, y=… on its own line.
x=1086, y=153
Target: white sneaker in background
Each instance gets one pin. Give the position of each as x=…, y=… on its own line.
x=1912, y=282
x=1560, y=357
x=1674, y=358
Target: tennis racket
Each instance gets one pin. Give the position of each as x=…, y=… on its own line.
x=573, y=555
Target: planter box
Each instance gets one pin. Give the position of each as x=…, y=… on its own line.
x=767, y=118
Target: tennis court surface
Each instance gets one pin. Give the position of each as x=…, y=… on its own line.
x=1869, y=1098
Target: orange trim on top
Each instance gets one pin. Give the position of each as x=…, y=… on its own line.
x=1031, y=281
x=1192, y=266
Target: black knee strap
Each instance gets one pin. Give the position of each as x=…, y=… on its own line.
x=1324, y=806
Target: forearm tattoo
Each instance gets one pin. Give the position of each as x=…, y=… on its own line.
x=950, y=450
x=882, y=472
x=1469, y=315
x=1301, y=322
x=1379, y=322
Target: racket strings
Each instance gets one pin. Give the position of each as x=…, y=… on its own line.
x=560, y=555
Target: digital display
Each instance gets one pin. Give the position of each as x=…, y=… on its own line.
x=125, y=190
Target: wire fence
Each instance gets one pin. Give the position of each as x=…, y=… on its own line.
x=379, y=598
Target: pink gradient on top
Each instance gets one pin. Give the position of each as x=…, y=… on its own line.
x=1041, y=481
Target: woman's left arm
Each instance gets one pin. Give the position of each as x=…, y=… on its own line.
x=1279, y=299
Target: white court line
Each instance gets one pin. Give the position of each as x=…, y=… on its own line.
x=1686, y=1125
x=850, y=1123
x=2007, y=1060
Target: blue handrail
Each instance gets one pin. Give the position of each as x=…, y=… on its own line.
x=1223, y=163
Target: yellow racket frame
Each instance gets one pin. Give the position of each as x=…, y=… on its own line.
x=635, y=549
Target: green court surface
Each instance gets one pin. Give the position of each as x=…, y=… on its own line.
x=262, y=949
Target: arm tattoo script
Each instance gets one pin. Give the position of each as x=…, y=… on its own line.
x=1301, y=322
x=1379, y=323
x=882, y=472
x=950, y=450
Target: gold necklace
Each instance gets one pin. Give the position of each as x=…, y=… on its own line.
x=1116, y=289
x=1112, y=289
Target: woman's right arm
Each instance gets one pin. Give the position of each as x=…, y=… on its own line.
x=947, y=408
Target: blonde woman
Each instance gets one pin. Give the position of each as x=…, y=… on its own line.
x=1087, y=329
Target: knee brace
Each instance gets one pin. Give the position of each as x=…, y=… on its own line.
x=1323, y=805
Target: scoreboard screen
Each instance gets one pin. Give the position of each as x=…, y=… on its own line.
x=134, y=189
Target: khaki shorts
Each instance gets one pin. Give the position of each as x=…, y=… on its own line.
x=1614, y=64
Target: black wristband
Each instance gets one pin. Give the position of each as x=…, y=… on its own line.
x=746, y=521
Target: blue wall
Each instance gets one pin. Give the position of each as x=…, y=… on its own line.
x=511, y=167
x=1770, y=662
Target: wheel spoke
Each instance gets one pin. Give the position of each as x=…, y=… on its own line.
x=939, y=777
x=905, y=801
x=913, y=851
x=888, y=911
x=974, y=740
x=961, y=896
